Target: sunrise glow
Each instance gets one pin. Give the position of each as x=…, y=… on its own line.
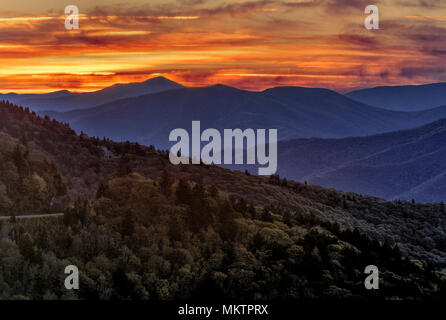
x=247, y=44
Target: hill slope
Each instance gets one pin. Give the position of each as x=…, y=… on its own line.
x=86, y=163
x=143, y=239
x=398, y=165
x=29, y=182
x=403, y=98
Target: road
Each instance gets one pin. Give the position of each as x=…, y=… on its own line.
x=33, y=216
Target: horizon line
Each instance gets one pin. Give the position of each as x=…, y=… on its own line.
x=343, y=92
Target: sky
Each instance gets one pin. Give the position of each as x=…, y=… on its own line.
x=247, y=44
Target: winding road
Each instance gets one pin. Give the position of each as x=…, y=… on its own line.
x=33, y=216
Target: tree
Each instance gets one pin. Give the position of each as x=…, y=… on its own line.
x=213, y=192
x=68, y=219
x=183, y=192
x=287, y=219
x=13, y=218
x=266, y=215
x=165, y=183
x=26, y=246
x=124, y=168
x=241, y=206
x=176, y=229
x=101, y=190
x=20, y=161
x=284, y=182
x=128, y=224
x=60, y=186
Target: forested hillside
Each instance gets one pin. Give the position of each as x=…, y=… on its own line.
x=140, y=227
x=29, y=182
x=145, y=239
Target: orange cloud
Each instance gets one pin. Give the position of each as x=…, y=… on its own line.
x=247, y=44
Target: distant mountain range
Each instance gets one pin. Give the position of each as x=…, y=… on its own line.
x=403, y=98
x=406, y=164
x=315, y=126
x=396, y=98
x=295, y=111
x=66, y=100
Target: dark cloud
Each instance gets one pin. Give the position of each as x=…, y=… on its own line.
x=435, y=52
x=422, y=3
x=335, y=6
x=413, y=72
x=185, y=7
x=423, y=31
x=369, y=41
x=237, y=9
x=343, y=4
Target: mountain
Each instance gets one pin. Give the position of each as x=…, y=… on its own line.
x=403, y=98
x=398, y=165
x=99, y=170
x=34, y=98
x=65, y=100
x=296, y=113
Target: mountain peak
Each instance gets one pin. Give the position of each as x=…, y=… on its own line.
x=160, y=80
x=60, y=92
x=220, y=86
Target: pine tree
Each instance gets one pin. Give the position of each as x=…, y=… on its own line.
x=183, y=192
x=165, y=183
x=26, y=245
x=266, y=215
x=124, y=168
x=20, y=161
x=213, y=192
x=101, y=190
x=128, y=224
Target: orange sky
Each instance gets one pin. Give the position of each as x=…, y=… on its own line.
x=247, y=44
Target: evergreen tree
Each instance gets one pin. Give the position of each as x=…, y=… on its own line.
x=183, y=192
x=128, y=224
x=165, y=183
x=101, y=190
x=124, y=168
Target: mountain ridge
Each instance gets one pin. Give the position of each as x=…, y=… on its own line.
x=403, y=98
x=403, y=160
x=65, y=100
x=296, y=112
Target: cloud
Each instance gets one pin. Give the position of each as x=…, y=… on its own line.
x=238, y=8
x=430, y=4
x=338, y=7
x=413, y=72
x=369, y=41
x=249, y=44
